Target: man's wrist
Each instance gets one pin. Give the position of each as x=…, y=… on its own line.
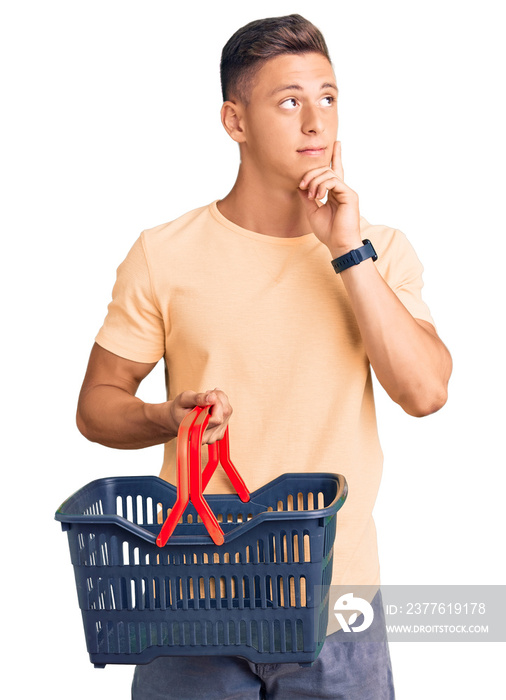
x=354, y=257
x=338, y=250
x=160, y=417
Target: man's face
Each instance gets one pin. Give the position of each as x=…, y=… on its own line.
x=290, y=122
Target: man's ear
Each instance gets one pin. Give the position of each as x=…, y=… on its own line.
x=232, y=120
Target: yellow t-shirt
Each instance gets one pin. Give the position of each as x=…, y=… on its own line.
x=268, y=321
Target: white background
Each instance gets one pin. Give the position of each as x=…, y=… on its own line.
x=111, y=125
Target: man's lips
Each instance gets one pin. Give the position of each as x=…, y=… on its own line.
x=312, y=150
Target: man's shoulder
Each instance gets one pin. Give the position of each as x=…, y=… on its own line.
x=386, y=240
x=379, y=233
x=175, y=238
x=395, y=252
x=182, y=222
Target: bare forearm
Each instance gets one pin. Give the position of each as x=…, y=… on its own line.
x=407, y=356
x=410, y=361
x=108, y=411
x=113, y=417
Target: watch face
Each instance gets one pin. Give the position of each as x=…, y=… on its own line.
x=373, y=253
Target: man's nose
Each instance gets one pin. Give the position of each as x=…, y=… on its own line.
x=312, y=122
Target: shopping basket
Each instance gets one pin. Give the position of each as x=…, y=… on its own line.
x=262, y=594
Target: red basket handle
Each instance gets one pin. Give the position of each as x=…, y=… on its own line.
x=183, y=479
x=191, y=482
x=219, y=451
x=196, y=495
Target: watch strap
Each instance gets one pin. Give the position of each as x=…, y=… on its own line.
x=355, y=257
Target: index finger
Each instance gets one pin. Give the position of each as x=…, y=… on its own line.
x=221, y=409
x=336, y=164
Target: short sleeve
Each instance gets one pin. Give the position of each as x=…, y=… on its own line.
x=134, y=327
x=403, y=271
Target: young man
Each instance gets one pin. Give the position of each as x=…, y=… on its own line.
x=258, y=294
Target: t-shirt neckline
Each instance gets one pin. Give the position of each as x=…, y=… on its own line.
x=261, y=237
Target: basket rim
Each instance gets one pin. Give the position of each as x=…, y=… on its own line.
x=231, y=534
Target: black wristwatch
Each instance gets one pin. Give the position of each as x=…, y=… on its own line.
x=355, y=257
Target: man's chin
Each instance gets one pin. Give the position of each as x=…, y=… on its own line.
x=312, y=163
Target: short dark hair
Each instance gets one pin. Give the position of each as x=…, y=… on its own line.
x=257, y=42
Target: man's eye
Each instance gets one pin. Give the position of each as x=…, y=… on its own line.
x=328, y=100
x=290, y=103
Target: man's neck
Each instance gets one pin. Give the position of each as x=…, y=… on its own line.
x=258, y=206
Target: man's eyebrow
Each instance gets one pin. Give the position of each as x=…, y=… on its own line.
x=282, y=88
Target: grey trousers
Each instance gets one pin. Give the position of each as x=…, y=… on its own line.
x=344, y=670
